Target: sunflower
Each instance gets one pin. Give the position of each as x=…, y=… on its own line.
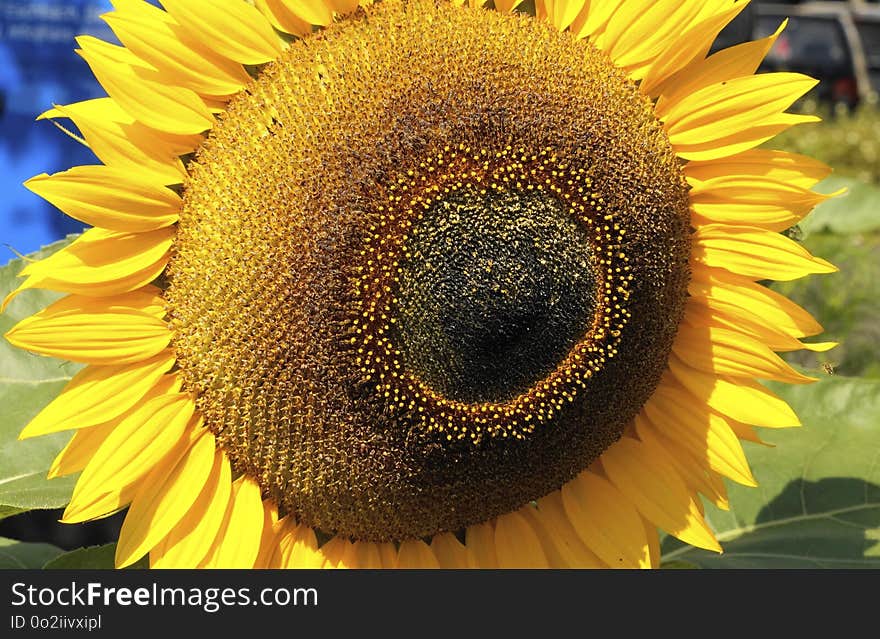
x=421, y=284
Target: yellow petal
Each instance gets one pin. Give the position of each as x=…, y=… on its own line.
x=363, y=555
x=306, y=553
x=282, y=18
x=415, y=553
x=450, y=552
x=757, y=201
x=742, y=321
x=657, y=491
x=334, y=553
x=560, y=13
x=120, y=199
x=517, y=544
x=653, y=542
x=634, y=42
x=724, y=105
x=742, y=399
x=140, y=92
x=388, y=554
x=693, y=471
x=270, y=535
x=592, y=18
x=733, y=293
x=312, y=11
x=101, y=263
x=297, y=547
x=121, y=142
x=687, y=44
x=606, y=521
x=166, y=495
x=755, y=253
x=156, y=38
x=141, y=439
x=147, y=141
x=237, y=543
x=738, y=140
x=79, y=450
x=704, y=432
x=728, y=352
x=343, y=7
x=105, y=330
x=730, y=117
x=791, y=168
x=188, y=542
x=232, y=28
x=506, y=6
x=562, y=545
x=734, y=62
x=480, y=544
x=98, y=394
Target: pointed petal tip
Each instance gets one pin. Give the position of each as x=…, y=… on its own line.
x=5, y=303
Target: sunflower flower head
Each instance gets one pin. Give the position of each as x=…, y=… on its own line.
x=421, y=284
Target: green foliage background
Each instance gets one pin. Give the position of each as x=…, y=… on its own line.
x=818, y=503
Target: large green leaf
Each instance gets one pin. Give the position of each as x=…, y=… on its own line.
x=19, y=554
x=854, y=212
x=27, y=383
x=818, y=500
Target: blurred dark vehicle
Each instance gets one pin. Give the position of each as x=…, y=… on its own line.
x=837, y=43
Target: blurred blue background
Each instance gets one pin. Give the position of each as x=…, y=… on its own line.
x=38, y=68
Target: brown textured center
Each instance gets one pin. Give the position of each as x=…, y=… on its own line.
x=430, y=264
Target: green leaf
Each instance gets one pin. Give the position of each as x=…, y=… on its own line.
x=854, y=212
x=9, y=511
x=92, y=558
x=27, y=383
x=19, y=554
x=818, y=500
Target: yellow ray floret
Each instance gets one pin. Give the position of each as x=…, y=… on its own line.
x=415, y=553
x=698, y=428
x=164, y=497
x=122, y=143
x=480, y=542
x=237, y=542
x=283, y=18
x=101, y=263
x=734, y=62
x=693, y=42
x=232, y=28
x=755, y=253
x=128, y=454
x=139, y=90
x=726, y=118
x=188, y=543
x=740, y=398
x=98, y=394
x=108, y=330
x=450, y=552
x=728, y=352
x=118, y=199
x=562, y=545
x=517, y=545
x=657, y=491
x=162, y=42
x=692, y=468
x=606, y=521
